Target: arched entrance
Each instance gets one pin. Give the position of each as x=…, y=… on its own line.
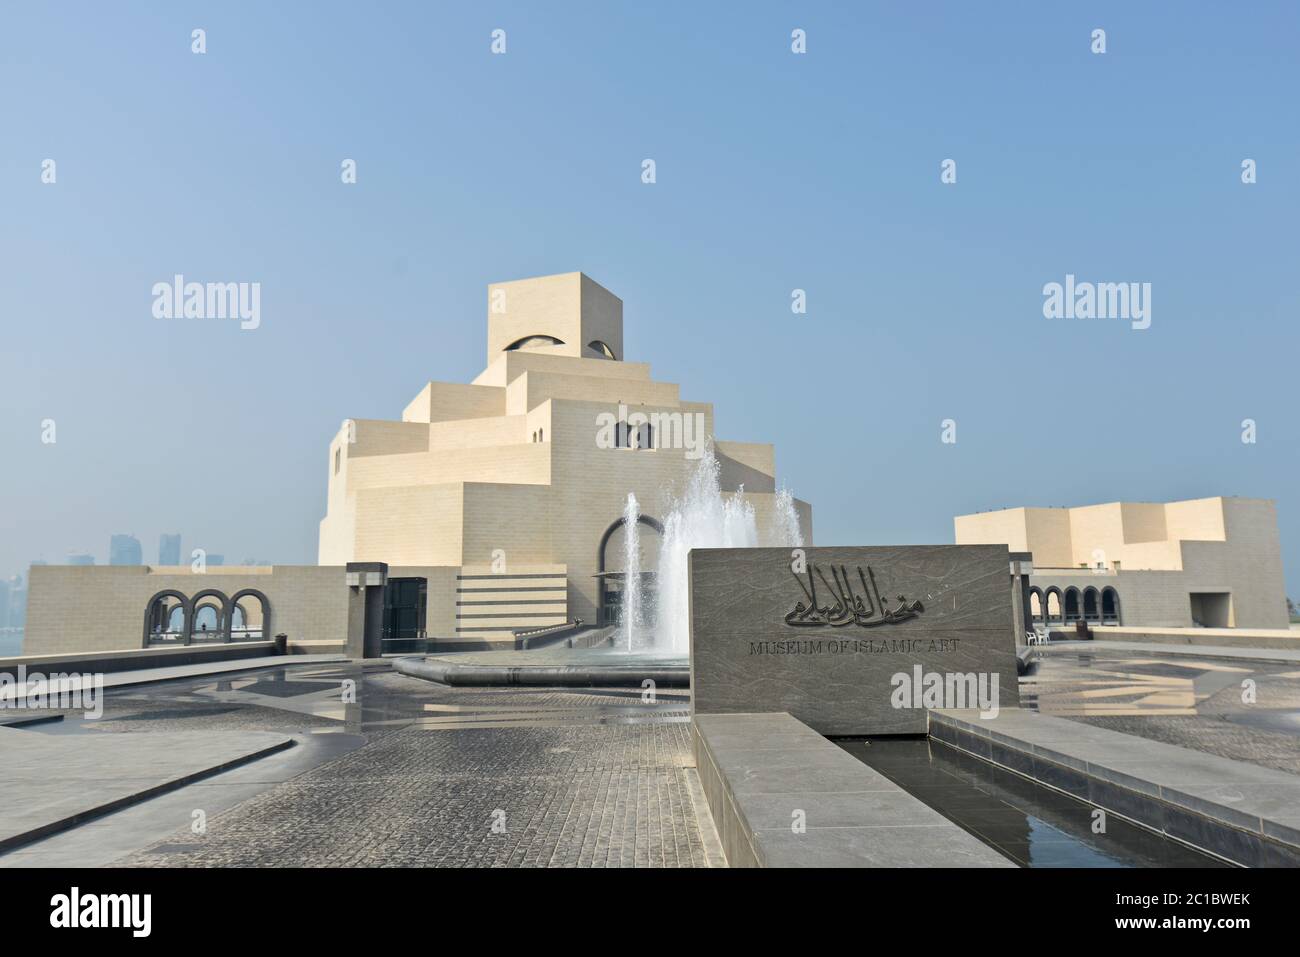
x=609, y=587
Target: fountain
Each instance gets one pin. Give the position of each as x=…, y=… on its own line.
x=633, y=587
x=705, y=517
x=785, y=522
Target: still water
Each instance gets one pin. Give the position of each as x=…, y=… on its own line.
x=1031, y=824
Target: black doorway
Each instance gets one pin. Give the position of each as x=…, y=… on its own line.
x=404, y=614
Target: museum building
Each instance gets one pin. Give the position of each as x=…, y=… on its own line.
x=489, y=510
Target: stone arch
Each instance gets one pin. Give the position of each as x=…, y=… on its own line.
x=1053, y=605
x=223, y=615
x=1091, y=604
x=1073, y=611
x=1110, y=606
x=264, y=623
x=1037, y=604
x=152, y=616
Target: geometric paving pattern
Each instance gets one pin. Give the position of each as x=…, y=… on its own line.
x=1247, y=711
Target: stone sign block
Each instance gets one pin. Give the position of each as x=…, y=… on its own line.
x=852, y=640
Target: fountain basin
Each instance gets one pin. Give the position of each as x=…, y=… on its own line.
x=553, y=668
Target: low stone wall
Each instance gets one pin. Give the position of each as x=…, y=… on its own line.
x=93, y=608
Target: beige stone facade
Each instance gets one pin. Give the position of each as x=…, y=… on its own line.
x=1211, y=562
x=521, y=468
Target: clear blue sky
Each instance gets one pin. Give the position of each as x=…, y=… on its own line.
x=775, y=172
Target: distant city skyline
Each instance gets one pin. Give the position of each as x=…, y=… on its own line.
x=169, y=553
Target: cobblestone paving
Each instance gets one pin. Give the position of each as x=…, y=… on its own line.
x=571, y=784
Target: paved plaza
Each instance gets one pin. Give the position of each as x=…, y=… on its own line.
x=413, y=774
x=388, y=769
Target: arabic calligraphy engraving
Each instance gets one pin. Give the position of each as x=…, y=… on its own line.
x=849, y=607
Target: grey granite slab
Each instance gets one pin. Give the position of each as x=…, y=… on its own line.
x=934, y=845
x=889, y=807
x=822, y=634
x=812, y=804
x=52, y=782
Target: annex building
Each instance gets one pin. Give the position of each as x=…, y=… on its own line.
x=1209, y=562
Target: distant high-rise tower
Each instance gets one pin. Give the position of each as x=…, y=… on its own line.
x=17, y=601
x=81, y=559
x=169, y=550
x=125, y=550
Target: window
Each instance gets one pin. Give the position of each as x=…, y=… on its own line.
x=626, y=437
x=338, y=458
x=602, y=348
x=533, y=342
